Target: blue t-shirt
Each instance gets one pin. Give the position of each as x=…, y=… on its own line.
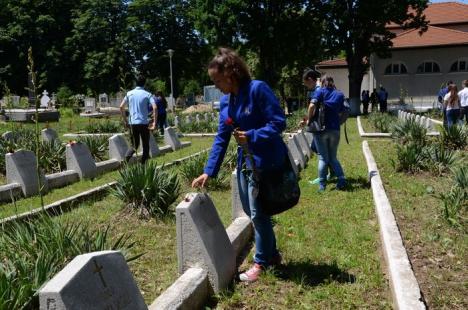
x=312, y=92
x=138, y=101
x=334, y=104
x=160, y=105
x=383, y=95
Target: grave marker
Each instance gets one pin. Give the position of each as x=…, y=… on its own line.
x=49, y=135
x=79, y=159
x=45, y=99
x=118, y=147
x=21, y=168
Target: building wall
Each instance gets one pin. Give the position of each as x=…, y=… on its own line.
x=340, y=76
x=422, y=87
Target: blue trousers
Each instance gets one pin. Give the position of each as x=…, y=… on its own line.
x=265, y=240
x=327, y=145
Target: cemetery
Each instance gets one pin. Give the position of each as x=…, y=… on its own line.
x=84, y=227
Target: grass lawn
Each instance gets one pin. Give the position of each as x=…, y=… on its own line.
x=438, y=252
x=30, y=203
x=330, y=245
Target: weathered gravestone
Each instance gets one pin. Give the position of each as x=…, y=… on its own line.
x=206, y=117
x=99, y=280
x=176, y=121
x=49, y=135
x=103, y=100
x=21, y=168
x=203, y=242
x=90, y=105
x=153, y=147
x=296, y=151
x=171, y=138
x=79, y=159
x=236, y=203
x=198, y=118
x=45, y=99
x=188, y=119
x=305, y=146
x=118, y=147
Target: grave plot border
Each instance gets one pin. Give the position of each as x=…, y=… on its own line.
x=384, y=135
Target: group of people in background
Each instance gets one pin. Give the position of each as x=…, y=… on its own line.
x=377, y=97
x=454, y=103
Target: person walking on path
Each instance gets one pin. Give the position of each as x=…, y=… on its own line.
x=382, y=96
x=138, y=101
x=452, y=105
x=327, y=140
x=161, y=104
x=374, y=99
x=250, y=112
x=463, y=95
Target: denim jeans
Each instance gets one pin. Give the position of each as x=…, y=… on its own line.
x=265, y=241
x=464, y=114
x=452, y=117
x=327, y=144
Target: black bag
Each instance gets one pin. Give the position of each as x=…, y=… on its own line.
x=317, y=122
x=278, y=190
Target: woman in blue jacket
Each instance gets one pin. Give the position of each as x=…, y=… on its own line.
x=251, y=113
x=327, y=140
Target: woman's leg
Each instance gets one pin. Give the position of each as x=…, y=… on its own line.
x=333, y=142
x=452, y=117
x=320, y=142
x=265, y=241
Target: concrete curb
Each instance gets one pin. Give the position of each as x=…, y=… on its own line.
x=405, y=289
x=197, y=135
x=363, y=134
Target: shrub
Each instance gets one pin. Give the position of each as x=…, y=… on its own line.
x=34, y=251
x=199, y=127
x=441, y=158
x=455, y=205
x=409, y=131
x=65, y=97
x=147, y=188
x=293, y=120
x=97, y=146
x=103, y=127
x=381, y=121
x=52, y=156
x=461, y=176
x=455, y=137
x=410, y=158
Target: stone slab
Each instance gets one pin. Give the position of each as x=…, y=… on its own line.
x=21, y=169
x=79, y=158
x=170, y=138
x=236, y=204
x=107, y=165
x=305, y=146
x=118, y=147
x=295, y=164
x=61, y=179
x=10, y=192
x=99, y=280
x=49, y=135
x=189, y=291
x=296, y=151
x=27, y=115
x=202, y=241
x=240, y=233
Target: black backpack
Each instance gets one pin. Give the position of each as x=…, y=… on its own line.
x=317, y=122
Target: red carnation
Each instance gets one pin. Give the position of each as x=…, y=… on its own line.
x=229, y=121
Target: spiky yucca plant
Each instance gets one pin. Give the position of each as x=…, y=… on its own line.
x=410, y=158
x=147, y=188
x=34, y=251
x=382, y=121
x=455, y=137
x=441, y=158
x=409, y=131
x=97, y=145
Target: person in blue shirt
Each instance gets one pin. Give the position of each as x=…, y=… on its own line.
x=250, y=112
x=138, y=101
x=365, y=98
x=327, y=140
x=161, y=104
x=383, y=96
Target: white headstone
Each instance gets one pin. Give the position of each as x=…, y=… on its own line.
x=79, y=158
x=103, y=100
x=45, y=99
x=21, y=169
x=118, y=147
x=203, y=242
x=99, y=280
x=170, y=138
x=49, y=135
x=90, y=105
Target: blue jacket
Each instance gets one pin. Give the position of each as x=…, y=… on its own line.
x=334, y=104
x=255, y=110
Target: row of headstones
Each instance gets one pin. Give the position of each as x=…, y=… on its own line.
x=45, y=101
x=21, y=165
x=102, y=280
x=424, y=121
x=198, y=118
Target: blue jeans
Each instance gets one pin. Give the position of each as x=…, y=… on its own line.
x=265, y=241
x=452, y=117
x=327, y=144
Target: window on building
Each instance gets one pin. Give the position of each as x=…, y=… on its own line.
x=396, y=68
x=428, y=67
x=460, y=65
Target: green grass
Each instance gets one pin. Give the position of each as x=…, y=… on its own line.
x=330, y=244
x=27, y=204
x=437, y=250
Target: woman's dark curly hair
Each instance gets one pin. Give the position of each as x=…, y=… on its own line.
x=230, y=64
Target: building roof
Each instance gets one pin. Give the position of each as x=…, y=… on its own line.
x=341, y=62
x=443, y=13
x=434, y=36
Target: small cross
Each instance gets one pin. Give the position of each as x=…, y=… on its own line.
x=98, y=269
x=45, y=93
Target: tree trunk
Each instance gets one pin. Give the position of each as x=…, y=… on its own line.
x=356, y=71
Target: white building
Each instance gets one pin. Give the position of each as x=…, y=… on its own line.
x=419, y=64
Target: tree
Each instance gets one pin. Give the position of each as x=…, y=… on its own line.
x=359, y=28
x=156, y=26
x=281, y=33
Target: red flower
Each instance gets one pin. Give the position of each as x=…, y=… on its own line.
x=229, y=121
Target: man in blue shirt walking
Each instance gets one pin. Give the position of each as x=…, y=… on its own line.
x=138, y=101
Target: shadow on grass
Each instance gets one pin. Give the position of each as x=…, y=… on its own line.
x=309, y=274
x=356, y=183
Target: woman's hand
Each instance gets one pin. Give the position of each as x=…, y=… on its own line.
x=200, y=181
x=240, y=136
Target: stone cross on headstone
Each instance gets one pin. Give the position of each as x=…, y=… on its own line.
x=90, y=105
x=103, y=100
x=45, y=99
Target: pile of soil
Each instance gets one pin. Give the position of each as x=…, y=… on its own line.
x=199, y=108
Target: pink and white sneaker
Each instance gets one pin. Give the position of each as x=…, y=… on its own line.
x=252, y=274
